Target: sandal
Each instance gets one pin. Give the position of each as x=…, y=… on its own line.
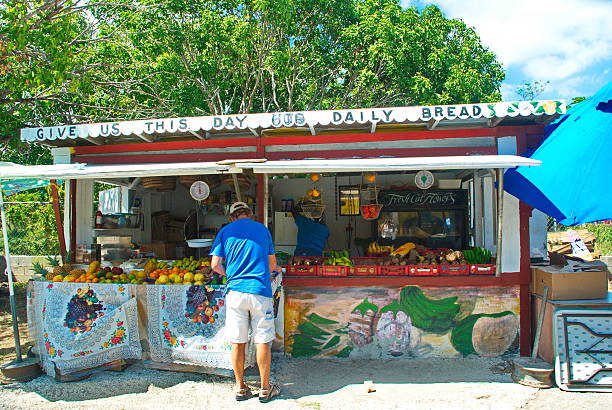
x=267, y=395
x=244, y=394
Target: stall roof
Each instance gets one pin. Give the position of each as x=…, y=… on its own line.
x=84, y=171
x=389, y=164
x=310, y=122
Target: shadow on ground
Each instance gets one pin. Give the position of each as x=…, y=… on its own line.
x=297, y=377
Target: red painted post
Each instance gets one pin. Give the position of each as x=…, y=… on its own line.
x=525, y=280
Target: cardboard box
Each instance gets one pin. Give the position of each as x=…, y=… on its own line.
x=163, y=250
x=588, y=284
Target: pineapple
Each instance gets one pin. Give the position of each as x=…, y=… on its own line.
x=57, y=269
x=67, y=266
x=39, y=270
x=77, y=272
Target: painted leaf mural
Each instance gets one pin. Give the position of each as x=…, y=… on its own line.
x=430, y=315
x=320, y=336
x=485, y=334
x=410, y=321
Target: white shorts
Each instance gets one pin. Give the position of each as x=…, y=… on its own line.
x=244, y=309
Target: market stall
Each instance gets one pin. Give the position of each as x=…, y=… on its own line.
x=426, y=255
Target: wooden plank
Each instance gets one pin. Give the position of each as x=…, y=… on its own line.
x=189, y=368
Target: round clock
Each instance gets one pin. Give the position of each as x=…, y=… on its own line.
x=424, y=179
x=199, y=190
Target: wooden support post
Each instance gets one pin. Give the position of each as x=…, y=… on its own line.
x=58, y=219
x=260, y=198
x=525, y=280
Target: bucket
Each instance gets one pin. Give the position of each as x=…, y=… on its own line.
x=533, y=373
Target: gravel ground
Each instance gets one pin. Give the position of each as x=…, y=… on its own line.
x=307, y=384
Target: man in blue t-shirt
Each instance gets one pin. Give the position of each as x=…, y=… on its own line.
x=248, y=252
x=311, y=236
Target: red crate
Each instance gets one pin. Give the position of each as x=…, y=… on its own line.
x=484, y=269
x=363, y=270
x=333, y=270
x=392, y=270
x=301, y=270
x=454, y=270
x=424, y=270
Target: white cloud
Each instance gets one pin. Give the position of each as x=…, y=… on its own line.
x=552, y=40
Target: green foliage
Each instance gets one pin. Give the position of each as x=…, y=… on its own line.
x=531, y=90
x=88, y=61
x=603, y=237
x=31, y=225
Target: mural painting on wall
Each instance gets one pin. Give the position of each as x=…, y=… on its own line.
x=407, y=322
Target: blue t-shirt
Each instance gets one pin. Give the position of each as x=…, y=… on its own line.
x=311, y=235
x=245, y=245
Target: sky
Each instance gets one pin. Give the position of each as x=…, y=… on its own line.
x=565, y=42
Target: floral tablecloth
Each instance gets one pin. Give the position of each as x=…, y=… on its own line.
x=186, y=325
x=78, y=326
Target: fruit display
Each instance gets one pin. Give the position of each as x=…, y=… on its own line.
x=305, y=261
x=190, y=264
x=186, y=271
x=338, y=258
x=374, y=249
x=477, y=256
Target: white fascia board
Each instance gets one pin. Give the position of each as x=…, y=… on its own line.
x=390, y=164
x=83, y=171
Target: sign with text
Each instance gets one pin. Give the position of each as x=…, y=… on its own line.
x=429, y=199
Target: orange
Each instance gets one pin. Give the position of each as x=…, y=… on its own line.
x=314, y=177
x=175, y=270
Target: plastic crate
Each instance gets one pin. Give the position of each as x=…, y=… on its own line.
x=485, y=269
x=328, y=270
x=363, y=270
x=302, y=270
x=392, y=270
x=454, y=270
x=424, y=270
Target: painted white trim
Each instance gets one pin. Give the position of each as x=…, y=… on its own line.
x=389, y=164
x=328, y=118
x=84, y=171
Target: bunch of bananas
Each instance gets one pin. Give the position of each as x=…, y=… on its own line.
x=375, y=249
x=338, y=258
x=190, y=264
x=161, y=265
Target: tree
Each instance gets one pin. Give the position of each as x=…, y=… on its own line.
x=69, y=61
x=218, y=57
x=530, y=90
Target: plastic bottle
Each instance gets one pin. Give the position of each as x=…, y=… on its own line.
x=99, y=219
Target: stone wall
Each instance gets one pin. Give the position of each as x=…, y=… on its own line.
x=22, y=266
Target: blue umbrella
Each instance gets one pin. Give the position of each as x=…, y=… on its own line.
x=572, y=185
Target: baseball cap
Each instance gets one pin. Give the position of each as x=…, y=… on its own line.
x=236, y=206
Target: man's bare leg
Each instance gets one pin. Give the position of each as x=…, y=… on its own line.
x=264, y=358
x=238, y=353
